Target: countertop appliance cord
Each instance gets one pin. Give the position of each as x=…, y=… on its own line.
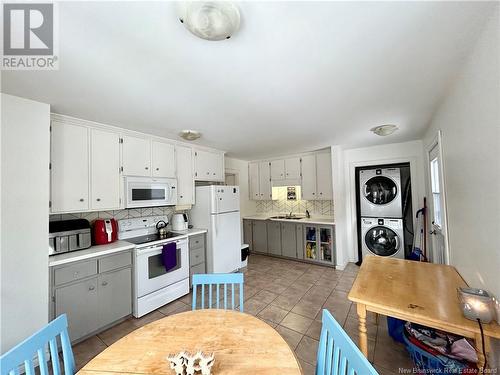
x=482, y=343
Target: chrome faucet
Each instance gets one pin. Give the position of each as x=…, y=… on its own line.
x=290, y=214
x=308, y=215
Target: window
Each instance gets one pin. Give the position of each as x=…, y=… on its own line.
x=436, y=194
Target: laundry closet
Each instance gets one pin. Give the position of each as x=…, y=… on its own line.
x=384, y=211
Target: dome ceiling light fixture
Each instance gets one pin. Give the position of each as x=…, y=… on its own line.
x=384, y=130
x=190, y=135
x=210, y=20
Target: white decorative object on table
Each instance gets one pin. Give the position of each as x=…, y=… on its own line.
x=185, y=363
x=178, y=362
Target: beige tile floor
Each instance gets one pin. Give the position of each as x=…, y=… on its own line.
x=289, y=296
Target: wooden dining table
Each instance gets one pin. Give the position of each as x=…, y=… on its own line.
x=242, y=344
x=419, y=292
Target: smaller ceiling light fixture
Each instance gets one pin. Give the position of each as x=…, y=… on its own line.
x=384, y=130
x=190, y=135
x=210, y=20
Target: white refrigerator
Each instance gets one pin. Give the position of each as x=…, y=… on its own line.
x=217, y=209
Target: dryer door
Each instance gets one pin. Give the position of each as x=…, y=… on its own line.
x=382, y=241
x=380, y=190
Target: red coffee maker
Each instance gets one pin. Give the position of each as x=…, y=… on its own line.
x=105, y=231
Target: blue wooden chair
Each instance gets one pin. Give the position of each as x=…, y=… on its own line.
x=337, y=353
x=219, y=280
x=24, y=353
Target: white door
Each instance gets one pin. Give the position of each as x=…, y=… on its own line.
x=185, y=180
x=253, y=180
x=225, y=198
x=136, y=156
x=163, y=157
x=309, y=177
x=225, y=248
x=69, y=168
x=324, y=176
x=105, y=170
x=437, y=204
x=277, y=170
x=264, y=180
x=292, y=168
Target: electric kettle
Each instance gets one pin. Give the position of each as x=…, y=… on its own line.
x=179, y=222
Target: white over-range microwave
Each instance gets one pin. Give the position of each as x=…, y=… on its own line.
x=150, y=192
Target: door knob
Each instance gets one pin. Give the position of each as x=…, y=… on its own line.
x=104, y=283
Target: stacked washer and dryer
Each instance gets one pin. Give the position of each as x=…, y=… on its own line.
x=381, y=211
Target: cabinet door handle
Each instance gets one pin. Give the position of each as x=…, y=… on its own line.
x=81, y=199
x=146, y=168
x=182, y=196
x=157, y=169
x=91, y=287
x=104, y=283
x=98, y=199
x=314, y=193
x=208, y=172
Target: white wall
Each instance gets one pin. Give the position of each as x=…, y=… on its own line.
x=469, y=119
x=24, y=218
x=240, y=167
x=344, y=162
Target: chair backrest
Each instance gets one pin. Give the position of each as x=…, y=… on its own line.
x=46, y=338
x=220, y=281
x=337, y=353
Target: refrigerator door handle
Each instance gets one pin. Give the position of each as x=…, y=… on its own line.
x=217, y=212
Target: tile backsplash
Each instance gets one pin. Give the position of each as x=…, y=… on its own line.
x=116, y=214
x=281, y=204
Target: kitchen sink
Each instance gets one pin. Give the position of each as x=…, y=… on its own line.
x=286, y=217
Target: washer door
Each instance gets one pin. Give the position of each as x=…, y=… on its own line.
x=382, y=241
x=380, y=190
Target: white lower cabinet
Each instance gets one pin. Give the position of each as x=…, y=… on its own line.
x=105, y=170
x=69, y=172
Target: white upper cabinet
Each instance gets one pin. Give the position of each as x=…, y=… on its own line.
x=292, y=168
x=253, y=179
x=309, y=177
x=105, y=170
x=208, y=165
x=265, y=180
x=185, y=178
x=69, y=168
x=136, y=154
x=259, y=179
x=277, y=170
x=324, y=176
x=163, y=156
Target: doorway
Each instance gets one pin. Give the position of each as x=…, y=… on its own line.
x=437, y=202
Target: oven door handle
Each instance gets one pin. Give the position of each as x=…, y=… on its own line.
x=149, y=250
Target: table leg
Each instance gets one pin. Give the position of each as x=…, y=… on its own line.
x=363, y=337
x=479, y=350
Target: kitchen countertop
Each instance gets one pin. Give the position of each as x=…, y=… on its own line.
x=324, y=220
x=91, y=252
x=112, y=248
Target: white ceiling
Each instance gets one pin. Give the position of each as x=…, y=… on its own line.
x=297, y=76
